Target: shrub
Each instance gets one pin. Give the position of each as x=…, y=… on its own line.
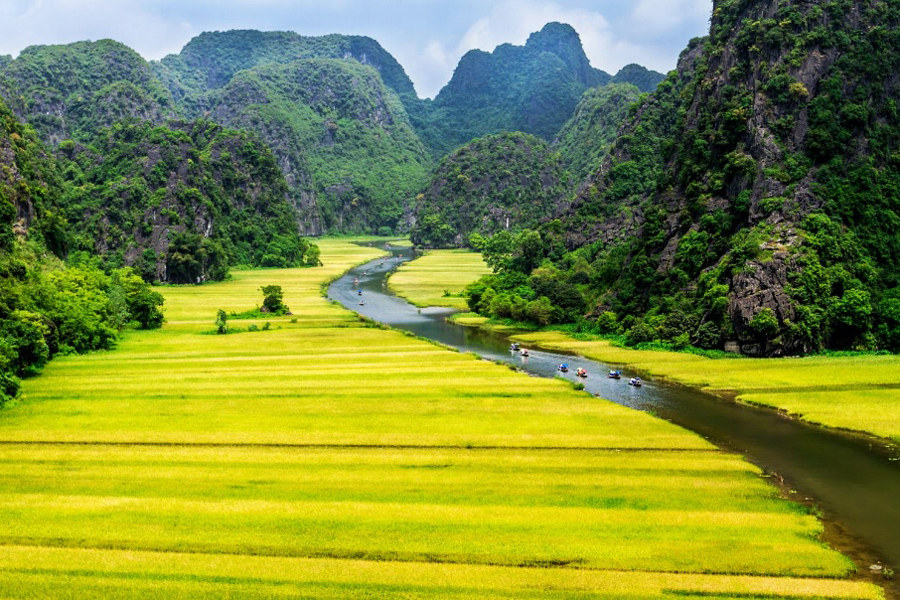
x=272, y=300
x=222, y=322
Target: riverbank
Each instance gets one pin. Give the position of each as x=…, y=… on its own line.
x=326, y=458
x=858, y=393
x=438, y=278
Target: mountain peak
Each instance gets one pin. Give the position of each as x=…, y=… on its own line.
x=555, y=34
x=562, y=40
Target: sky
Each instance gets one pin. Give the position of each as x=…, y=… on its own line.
x=428, y=37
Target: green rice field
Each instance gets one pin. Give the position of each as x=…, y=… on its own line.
x=311, y=461
x=425, y=281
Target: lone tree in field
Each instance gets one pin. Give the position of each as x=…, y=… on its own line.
x=272, y=300
x=222, y=322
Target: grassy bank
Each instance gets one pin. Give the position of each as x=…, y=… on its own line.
x=427, y=280
x=860, y=393
x=326, y=459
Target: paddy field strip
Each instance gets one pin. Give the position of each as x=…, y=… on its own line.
x=860, y=393
x=424, y=281
x=313, y=461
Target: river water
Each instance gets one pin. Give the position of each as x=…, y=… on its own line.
x=853, y=482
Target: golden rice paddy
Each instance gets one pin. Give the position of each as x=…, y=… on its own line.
x=327, y=459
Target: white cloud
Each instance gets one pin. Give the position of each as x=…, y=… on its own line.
x=512, y=21
x=663, y=16
x=428, y=37
x=65, y=21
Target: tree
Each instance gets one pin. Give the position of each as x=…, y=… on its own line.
x=765, y=324
x=143, y=304
x=272, y=300
x=221, y=322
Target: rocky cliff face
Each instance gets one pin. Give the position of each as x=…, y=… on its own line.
x=503, y=182
x=762, y=166
x=72, y=91
x=340, y=134
x=140, y=188
x=30, y=187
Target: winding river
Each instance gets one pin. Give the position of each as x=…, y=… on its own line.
x=856, y=486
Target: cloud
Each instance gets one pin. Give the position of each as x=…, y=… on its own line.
x=663, y=16
x=63, y=21
x=513, y=21
x=607, y=45
x=428, y=37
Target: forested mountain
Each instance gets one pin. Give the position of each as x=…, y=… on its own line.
x=641, y=77
x=532, y=88
x=755, y=197
x=180, y=203
x=354, y=142
x=72, y=91
x=586, y=138
x=497, y=183
x=210, y=61
x=331, y=108
x=337, y=120
x=46, y=307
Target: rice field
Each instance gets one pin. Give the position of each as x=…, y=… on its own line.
x=860, y=393
x=327, y=459
x=427, y=280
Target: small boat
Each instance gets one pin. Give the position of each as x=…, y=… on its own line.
x=636, y=382
x=359, y=293
x=514, y=348
x=615, y=375
x=525, y=354
x=581, y=373
x=563, y=368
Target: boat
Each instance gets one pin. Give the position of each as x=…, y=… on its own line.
x=636, y=382
x=563, y=368
x=514, y=348
x=525, y=354
x=615, y=375
x=581, y=373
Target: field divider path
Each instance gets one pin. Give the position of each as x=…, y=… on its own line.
x=352, y=475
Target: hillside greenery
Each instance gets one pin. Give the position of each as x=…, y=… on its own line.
x=180, y=203
x=533, y=88
x=496, y=183
x=46, y=307
x=71, y=91
x=704, y=227
x=586, y=138
x=209, y=61
x=336, y=120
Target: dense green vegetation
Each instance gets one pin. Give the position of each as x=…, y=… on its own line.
x=533, y=88
x=74, y=90
x=752, y=197
x=338, y=121
x=586, y=138
x=210, y=61
x=46, y=308
x=180, y=203
x=496, y=183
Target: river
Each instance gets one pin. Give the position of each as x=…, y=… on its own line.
x=854, y=484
